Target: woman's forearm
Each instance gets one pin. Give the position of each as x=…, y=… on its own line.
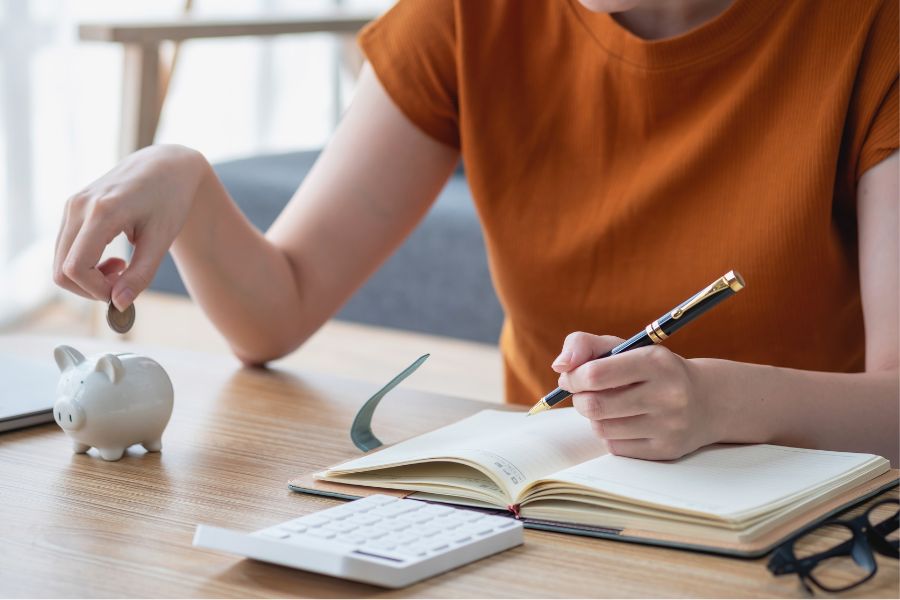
x=242, y=281
x=857, y=412
x=369, y=187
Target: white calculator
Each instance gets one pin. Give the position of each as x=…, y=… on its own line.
x=378, y=539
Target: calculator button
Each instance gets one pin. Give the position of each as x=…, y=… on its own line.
x=499, y=522
x=437, y=511
x=321, y=533
x=373, y=533
x=354, y=539
x=275, y=534
x=472, y=516
x=326, y=546
x=382, y=544
x=413, y=551
x=312, y=520
x=340, y=526
x=404, y=538
x=448, y=522
x=397, y=508
x=407, y=519
x=396, y=524
x=438, y=546
x=364, y=519
x=419, y=517
x=429, y=530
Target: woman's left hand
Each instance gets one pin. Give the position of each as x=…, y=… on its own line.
x=646, y=403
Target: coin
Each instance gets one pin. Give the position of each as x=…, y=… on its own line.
x=120, y=321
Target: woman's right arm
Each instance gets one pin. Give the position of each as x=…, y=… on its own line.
x=265, y=293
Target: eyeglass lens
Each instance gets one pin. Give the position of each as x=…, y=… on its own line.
x=850, y=561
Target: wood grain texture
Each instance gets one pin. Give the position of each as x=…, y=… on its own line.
x=74, y=526
x=458, y=368
x=141, y=97
x=144, y=86
x=188, y=28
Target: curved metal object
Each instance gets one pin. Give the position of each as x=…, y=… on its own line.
x=361, y=429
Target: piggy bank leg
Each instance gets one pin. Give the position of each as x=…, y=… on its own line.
x=152, y=446
x=79, y=448
x=111, y=453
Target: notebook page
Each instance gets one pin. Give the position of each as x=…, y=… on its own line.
x=514, y=448
x=731, y=482
x=449, y=479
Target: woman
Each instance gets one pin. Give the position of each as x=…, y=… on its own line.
x=618, y=163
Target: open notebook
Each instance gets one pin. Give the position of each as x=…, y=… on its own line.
x=555, y=473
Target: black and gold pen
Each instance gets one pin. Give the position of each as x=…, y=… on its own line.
x=654, y=333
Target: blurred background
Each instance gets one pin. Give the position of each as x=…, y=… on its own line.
x=257, y=86
x=61, y=104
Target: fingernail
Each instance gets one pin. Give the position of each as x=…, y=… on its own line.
x=124, y=298
x=563, y=359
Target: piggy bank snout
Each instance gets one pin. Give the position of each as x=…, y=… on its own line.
x=68, y=414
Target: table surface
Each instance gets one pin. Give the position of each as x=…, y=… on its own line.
x=75, y=526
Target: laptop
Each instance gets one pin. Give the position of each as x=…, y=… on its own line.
x=27, y=391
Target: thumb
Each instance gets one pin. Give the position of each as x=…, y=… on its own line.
x=580, y=347
x=138, y=275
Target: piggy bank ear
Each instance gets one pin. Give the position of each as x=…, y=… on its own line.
x=111, y=366
x=67, y=357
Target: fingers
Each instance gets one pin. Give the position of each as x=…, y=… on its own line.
x=627, y=428
x=579, y=348
x=148, y=253
x=610, y=404
x=80, y=266
x=72, y=220
x=644, y=449
x=112, y=269
x=626, y=368
x=80, y=244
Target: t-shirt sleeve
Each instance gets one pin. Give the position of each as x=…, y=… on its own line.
x=412, y=49
x=883, y=136
x=875, y=106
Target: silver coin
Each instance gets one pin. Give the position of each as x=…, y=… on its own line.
x=120, y=321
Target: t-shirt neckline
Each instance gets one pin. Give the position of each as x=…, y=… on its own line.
x=698, y=45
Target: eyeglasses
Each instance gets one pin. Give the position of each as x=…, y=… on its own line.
x=837, y=555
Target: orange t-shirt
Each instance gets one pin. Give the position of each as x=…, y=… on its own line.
x=614, y=177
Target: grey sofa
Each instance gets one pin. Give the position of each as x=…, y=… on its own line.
x=437, y=281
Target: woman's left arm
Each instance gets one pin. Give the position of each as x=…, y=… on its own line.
x=651, y=403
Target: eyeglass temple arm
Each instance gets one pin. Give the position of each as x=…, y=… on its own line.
x=880, y=542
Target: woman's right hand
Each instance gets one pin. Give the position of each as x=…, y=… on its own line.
x=147, y=196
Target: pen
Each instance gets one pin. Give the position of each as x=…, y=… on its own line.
x=654, y=333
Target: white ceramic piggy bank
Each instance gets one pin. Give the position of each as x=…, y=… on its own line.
x=111, y=401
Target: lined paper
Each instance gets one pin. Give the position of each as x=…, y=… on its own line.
x=730, y=481
x=515, y=449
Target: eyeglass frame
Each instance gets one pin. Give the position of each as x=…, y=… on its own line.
x=866, y=538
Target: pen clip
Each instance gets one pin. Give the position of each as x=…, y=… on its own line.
x=731, y=280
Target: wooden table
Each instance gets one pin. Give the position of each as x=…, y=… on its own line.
x=74, y=525
x=457, y=367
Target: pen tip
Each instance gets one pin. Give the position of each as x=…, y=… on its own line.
x=539, y=407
